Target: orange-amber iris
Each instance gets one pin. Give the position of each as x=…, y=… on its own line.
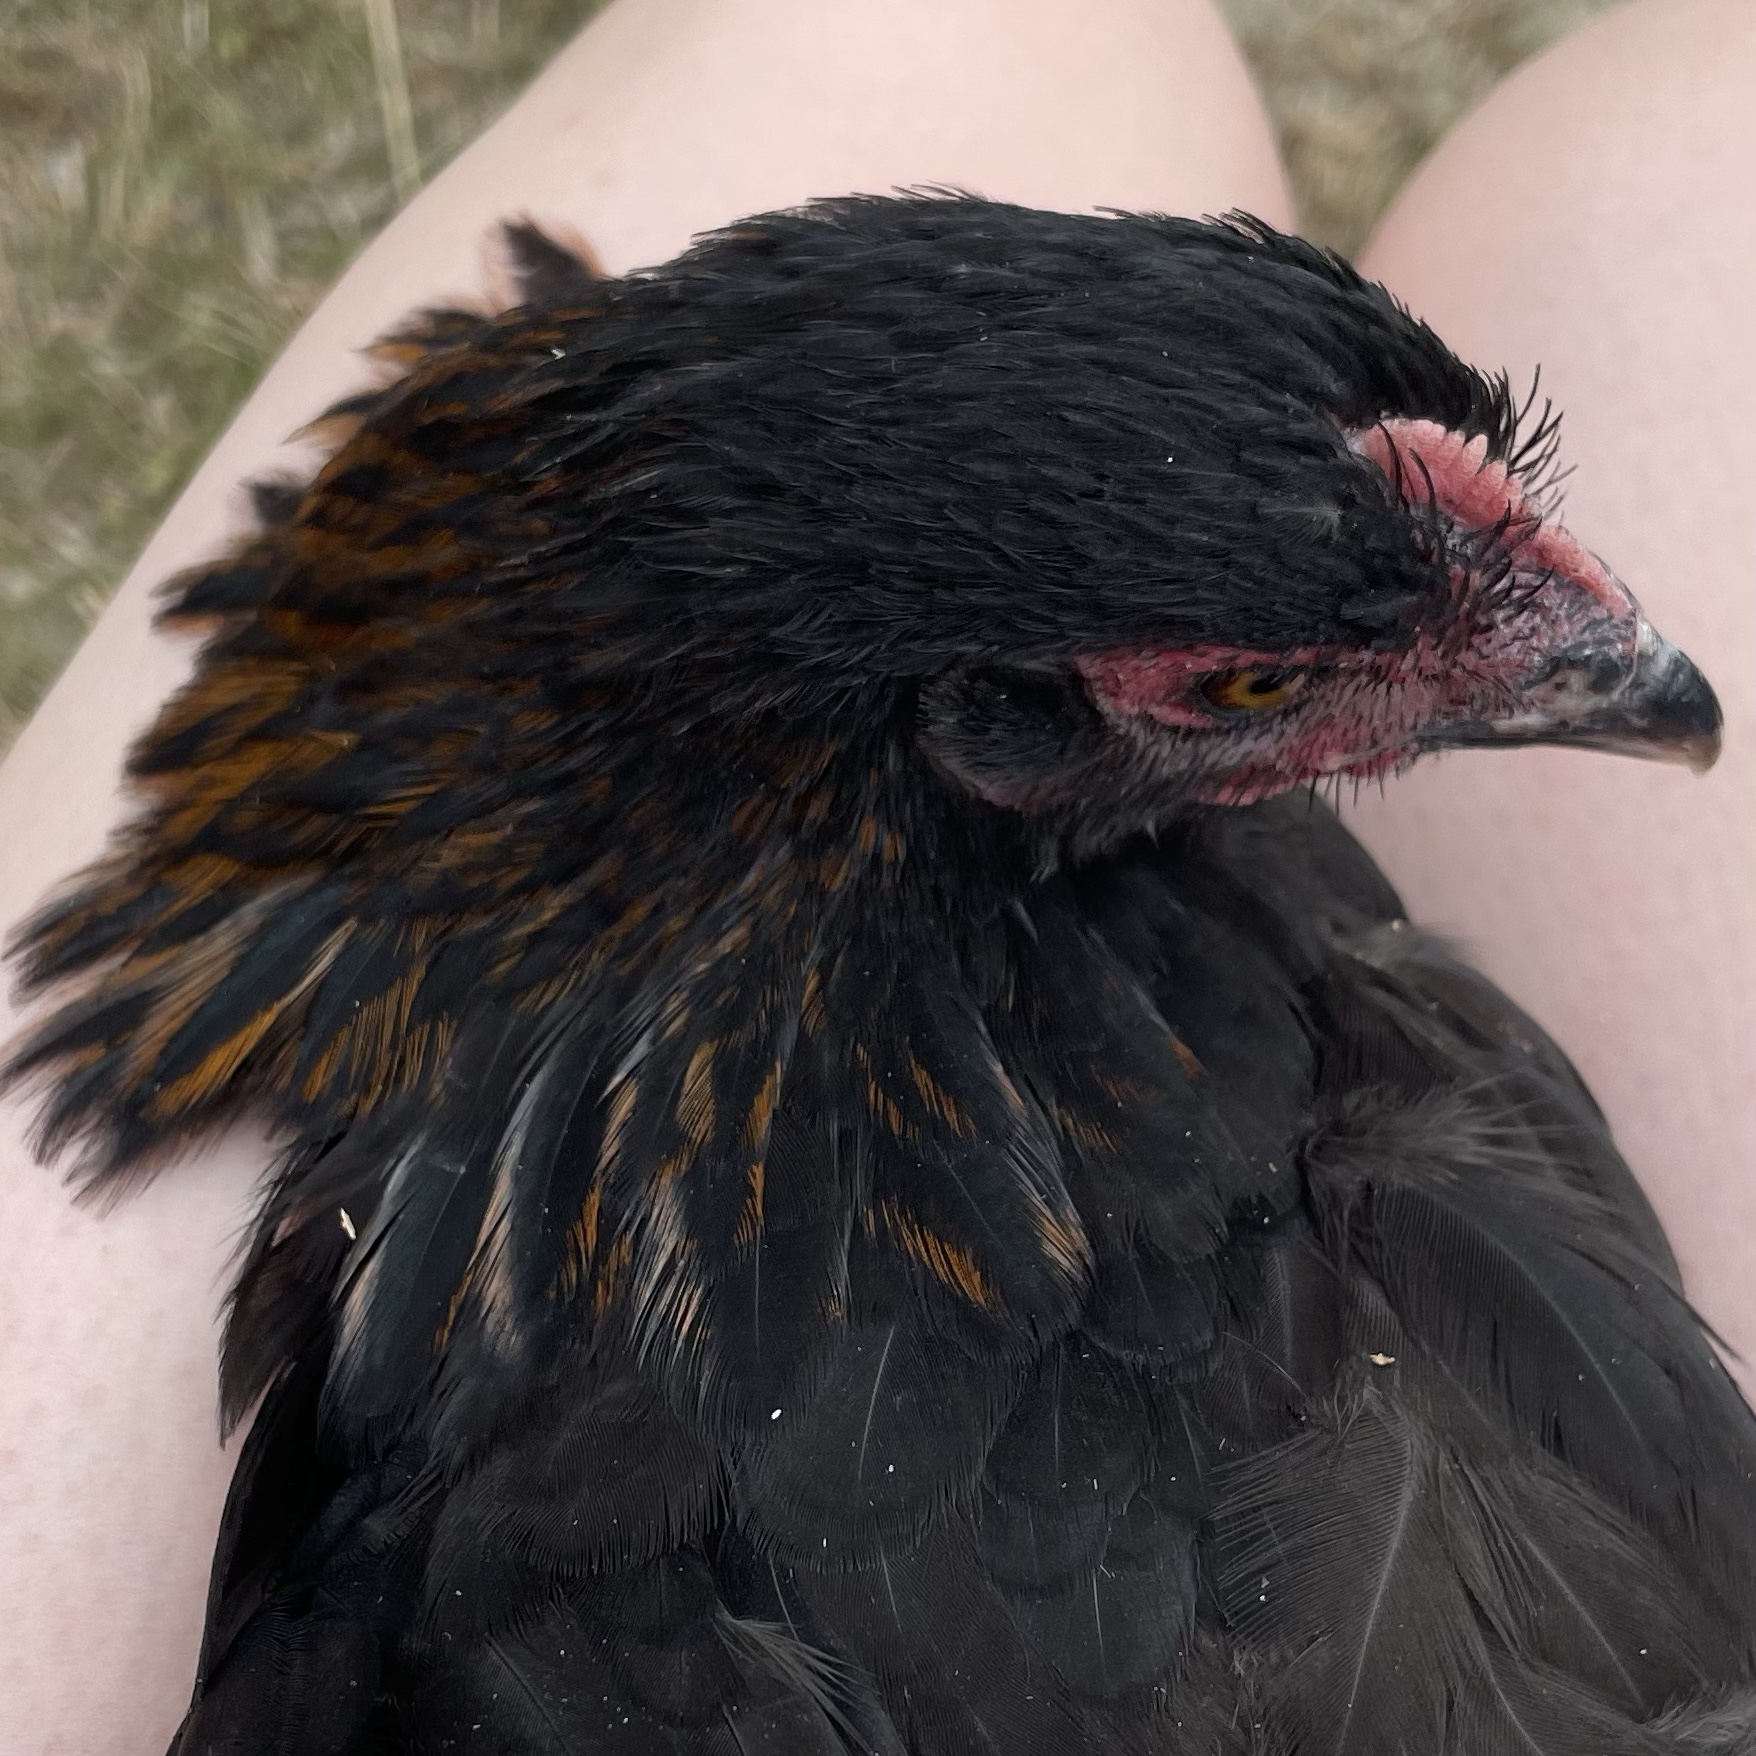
x=1252, y=691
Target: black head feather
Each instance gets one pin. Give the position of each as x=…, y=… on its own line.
x=873, y=437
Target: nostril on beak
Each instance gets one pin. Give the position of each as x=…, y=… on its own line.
x=1653, y=702
x=1579, y=683
x=1650, y=700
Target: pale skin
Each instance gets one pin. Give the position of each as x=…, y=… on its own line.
x=1595, y=215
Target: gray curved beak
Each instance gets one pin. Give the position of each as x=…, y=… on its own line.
x=1656, y=704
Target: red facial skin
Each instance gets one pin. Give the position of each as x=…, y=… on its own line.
x=1360, y=713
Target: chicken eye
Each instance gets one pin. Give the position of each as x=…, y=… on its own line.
x=1252, y=691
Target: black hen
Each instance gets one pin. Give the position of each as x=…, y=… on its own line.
x=855, y=1183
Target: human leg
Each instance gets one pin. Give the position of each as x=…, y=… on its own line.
x=1595, y=214
x=664, y=116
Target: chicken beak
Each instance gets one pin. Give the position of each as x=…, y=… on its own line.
x=1653, y=703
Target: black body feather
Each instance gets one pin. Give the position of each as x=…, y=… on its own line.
x=778, y=1254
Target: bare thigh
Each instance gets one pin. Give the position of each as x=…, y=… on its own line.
x=663, y=117
x=1596, y=215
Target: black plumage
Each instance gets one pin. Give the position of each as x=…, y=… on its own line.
x=855, y=1180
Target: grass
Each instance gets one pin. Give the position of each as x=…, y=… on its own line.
x=181, y=179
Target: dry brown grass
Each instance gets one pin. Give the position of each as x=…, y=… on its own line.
x=1360, y=89
x=180, y=179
